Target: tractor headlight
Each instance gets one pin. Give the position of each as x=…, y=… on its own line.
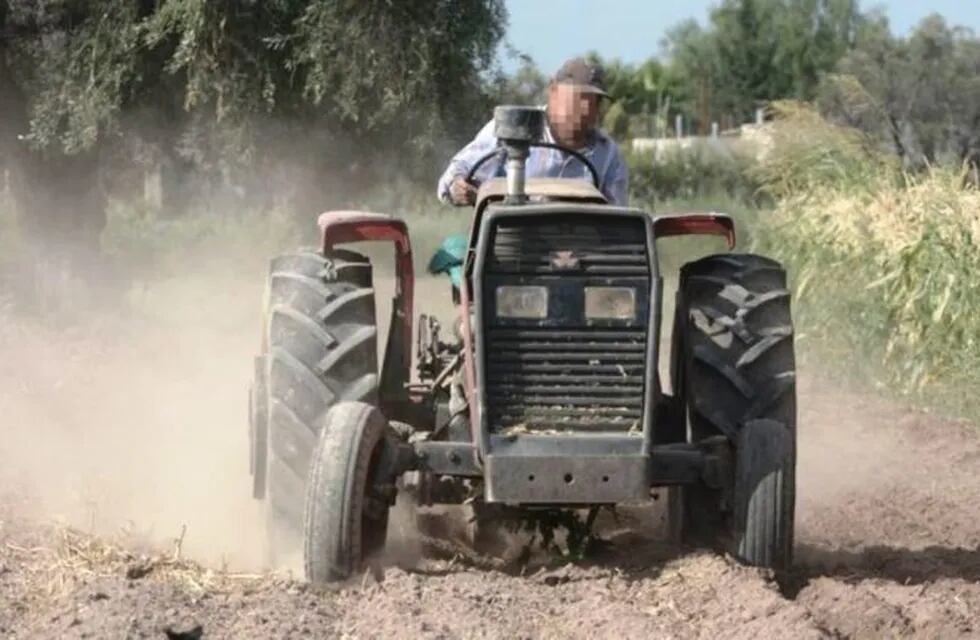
x=610, y=303
x=522, y=302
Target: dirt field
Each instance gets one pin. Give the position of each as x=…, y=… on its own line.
x=129, y=428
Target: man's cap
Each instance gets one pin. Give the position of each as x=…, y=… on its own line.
x=588, y=77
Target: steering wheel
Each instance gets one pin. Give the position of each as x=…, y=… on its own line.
x=499, y=151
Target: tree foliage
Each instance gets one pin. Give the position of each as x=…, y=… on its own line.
x=395, y=74
x=919, y=94
x=301, y=103
x=749, y=53
x=642, y=96
x=526, y=86
x=759, y=50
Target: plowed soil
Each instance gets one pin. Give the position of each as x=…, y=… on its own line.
x=121, y=437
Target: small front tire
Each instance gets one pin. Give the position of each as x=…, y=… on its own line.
x=735, y=371
x=348, y=494
x=764, y=494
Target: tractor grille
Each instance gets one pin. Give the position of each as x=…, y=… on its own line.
x=562, y=373
x=565, y=379
x=611, y=249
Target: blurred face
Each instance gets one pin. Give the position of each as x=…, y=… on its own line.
x=572, y=113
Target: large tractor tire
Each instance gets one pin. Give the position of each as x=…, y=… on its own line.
x=735, y=371
x=319, y=348
x=349, y=492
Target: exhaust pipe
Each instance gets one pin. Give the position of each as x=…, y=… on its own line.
x=516, y=128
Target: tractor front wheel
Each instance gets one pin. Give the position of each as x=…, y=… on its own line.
x=348, y=494
x=735, y=371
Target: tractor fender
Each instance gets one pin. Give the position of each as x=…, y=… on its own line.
x=344, y=227
x=714, y=224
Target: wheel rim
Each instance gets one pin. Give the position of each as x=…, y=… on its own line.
x=374, y=509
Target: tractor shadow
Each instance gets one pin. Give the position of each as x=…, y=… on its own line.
x=880, y=562
x=636, y=555
x=635, y=546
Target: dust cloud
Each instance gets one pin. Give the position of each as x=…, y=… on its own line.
x=133, y=420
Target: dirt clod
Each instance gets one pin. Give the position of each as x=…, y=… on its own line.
x=195, y=633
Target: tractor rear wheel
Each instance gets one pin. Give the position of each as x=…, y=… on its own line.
x=736, y=374
x=349, y=492
x=319, y=348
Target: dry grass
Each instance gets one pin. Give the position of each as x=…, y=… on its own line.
x=884, y=263
x=67, y=557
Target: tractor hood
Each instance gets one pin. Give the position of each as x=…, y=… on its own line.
x=542, y=189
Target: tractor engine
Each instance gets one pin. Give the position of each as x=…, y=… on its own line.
x=565, y=308
x=564, y=298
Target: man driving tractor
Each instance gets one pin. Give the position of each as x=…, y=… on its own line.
x=549, y=397
x=572, y=114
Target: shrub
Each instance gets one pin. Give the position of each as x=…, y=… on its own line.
x=884, y=263
x=692, y=173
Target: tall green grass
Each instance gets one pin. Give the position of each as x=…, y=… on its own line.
x=885, y=266
x=10, y=237
x=10, y=249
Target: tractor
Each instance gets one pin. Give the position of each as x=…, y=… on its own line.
x=546, y=395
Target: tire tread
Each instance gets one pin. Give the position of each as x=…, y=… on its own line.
x=738, y=367
x=320, y=342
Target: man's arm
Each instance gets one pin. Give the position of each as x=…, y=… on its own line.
x=616, y=182
x=463, y=161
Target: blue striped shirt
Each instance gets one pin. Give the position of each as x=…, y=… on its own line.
x=601, y=151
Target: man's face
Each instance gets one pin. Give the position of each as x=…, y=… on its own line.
x=572, y=113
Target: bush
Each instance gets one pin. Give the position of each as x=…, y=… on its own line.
x=141, y=242
x=884, y=264
x=806, y=153
x=692, y=173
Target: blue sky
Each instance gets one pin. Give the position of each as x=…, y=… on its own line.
x=552, y=31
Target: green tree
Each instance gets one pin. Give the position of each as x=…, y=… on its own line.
x=401, y=72
x=317, y=97
x=919, y=94
x=753, y=51
x=642, y=97
x=526, y=86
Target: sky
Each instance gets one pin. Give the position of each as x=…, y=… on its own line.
x=552, y=31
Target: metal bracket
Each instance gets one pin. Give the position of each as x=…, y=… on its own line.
x=447, y=458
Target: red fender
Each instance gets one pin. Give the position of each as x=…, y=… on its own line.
x=341, y=227
x=714, y=224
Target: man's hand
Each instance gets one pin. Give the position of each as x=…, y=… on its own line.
x=461, y=192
